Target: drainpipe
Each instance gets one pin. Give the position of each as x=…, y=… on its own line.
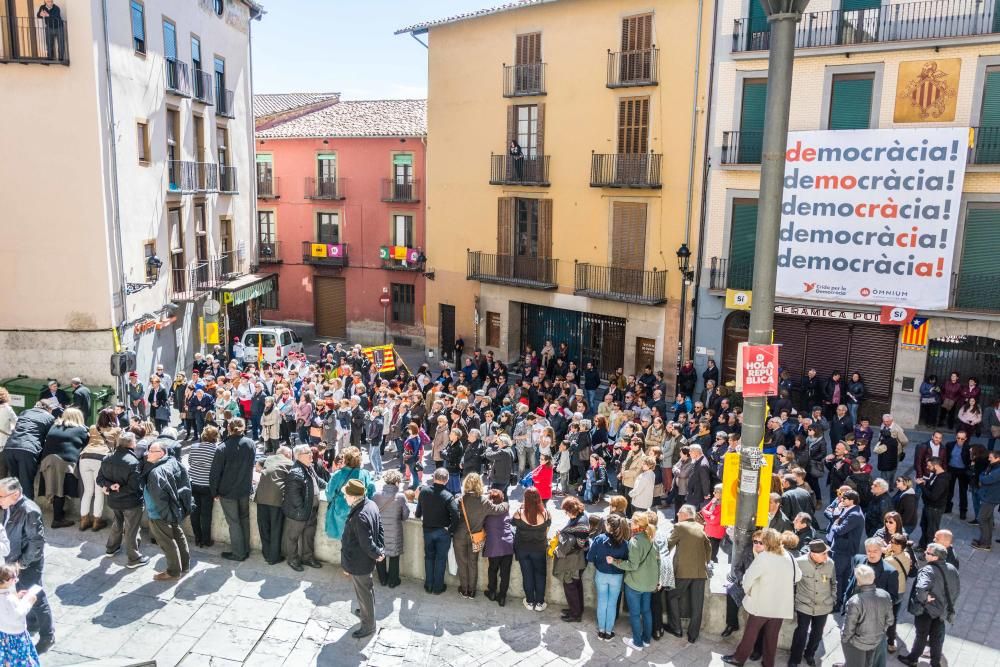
x=699, y=264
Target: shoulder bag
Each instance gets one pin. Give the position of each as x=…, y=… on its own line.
x=478, y=537
x=949, y=604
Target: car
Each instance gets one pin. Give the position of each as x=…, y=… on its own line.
x=277, y=342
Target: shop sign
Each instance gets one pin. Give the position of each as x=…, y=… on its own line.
x=150, y=324
x=248, y=293
x=827, y=313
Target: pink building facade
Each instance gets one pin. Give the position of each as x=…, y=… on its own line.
x=340, y=219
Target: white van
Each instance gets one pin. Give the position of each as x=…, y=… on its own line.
x=277, y=342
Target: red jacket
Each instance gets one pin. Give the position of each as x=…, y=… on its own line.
x=712, y=513
x=541, y=478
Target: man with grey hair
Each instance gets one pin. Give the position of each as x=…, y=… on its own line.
x=868, y=615
x=692, y=552
x=362, y=546
x=168, y=501
x=81, y=398
x=22, y=520
x=878, y=506
x=300, y=506
x=699, y=485
x=269, y=497
x=120, y=479
x=169, y=439
x=932, y=603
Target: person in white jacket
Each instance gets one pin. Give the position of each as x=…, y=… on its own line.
x=642, y=492
x=769, y=584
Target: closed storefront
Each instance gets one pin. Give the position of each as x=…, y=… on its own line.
x=588, y=336
x=331, y=307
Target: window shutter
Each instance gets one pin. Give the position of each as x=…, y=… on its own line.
x=540, y=131
x=529, y=49
x=990, y=116
x=753, y=105
x=977, y=275
x=628, y=233
x=851, y=102
x=637, y=32
x=742, y=244
x=758, y=19
x=853, y=5
x=505, y=226
x=511, y=125
x=138, y=23
x=545, y=228
x=633, y=124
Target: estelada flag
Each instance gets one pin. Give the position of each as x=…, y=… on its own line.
x=914, y=334
x=260, y=349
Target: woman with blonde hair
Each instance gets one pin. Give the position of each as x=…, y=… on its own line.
x=102, y=439
x=642, y=576
x=769, y=584
x=59, y=459
x=470, y=536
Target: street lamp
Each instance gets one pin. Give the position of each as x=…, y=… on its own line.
x=687, y=276
x=782, y=15
x=153, y=264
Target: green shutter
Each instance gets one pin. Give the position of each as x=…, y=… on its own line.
x=978, y=273
x=402, y=159
x=264, y=158
x=988, y=133
x=852, y=5
x=752, y=121
x=758, y=18
x=851, y=103
x=996, y=16
x=742, y=244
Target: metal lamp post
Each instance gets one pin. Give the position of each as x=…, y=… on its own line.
x=684, y=265
x=782, y=15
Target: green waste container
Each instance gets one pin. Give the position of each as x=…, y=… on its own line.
x=24, y=391
x=100, y=397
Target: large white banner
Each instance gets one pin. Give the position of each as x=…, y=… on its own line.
x=870, y=216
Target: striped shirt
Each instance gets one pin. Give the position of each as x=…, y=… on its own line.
x=199, y=462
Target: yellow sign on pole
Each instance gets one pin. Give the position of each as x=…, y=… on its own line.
x=764, y=492
x=731, y=488
x=212, y=333
x=738, y=299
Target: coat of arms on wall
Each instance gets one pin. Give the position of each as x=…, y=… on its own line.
x=927, y=90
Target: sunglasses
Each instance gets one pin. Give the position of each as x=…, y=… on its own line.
x=758, y=542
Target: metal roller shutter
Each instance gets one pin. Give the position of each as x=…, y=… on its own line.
x=331, y=307
x=791, y=333
x=851, y=101
x=873, y=354
x=827, y=347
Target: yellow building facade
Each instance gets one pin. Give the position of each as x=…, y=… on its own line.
x=573, y=235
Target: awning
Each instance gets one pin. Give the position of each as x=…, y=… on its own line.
x=246, y=288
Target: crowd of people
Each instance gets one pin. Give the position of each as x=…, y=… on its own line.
x=448, y=448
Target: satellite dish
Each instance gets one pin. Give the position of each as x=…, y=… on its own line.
x=212, y=307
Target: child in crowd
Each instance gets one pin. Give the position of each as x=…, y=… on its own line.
x=16, y=648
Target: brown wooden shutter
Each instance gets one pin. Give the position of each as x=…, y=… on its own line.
x=529, y=49
x=505, y=226
x=545, y=228
x=633, y=125
x=637, y=32
x=511, y=125
x=628, y=234
x=540, y=137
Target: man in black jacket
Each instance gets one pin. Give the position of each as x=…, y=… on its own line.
x=933, y=600
x=886, y=576
x=501, y=460
x=168, y=501
x=82, y=399
x=439, y=510
x=300, y=507
x=794, y=499
x=362, y=545
x=935, y=495
x=119, y=477
x=592, y=385
x=24, y=446
x=257, y=409
x=232, y=482
x=699, y=489
x=22, y=520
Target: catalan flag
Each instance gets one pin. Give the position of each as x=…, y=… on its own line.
x=914, y=334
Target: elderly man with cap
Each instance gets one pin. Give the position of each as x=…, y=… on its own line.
x=815, y=596
x=362, y=546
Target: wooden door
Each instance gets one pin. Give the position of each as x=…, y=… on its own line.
x=446, y=331
x=628, y=247
x=331, y=307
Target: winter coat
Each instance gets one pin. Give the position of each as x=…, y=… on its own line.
x=499, y=536
x=271, y=487
x=642, y=492
x=232, y=468
x=30, y=431
x=846, y=532
x=122, y=467
x=271, y=423
x=472, y=458
x=394, y=511
x=631, y=467
x=168, y=490
x=877, y=509
x=692, y=550
x=66, y=442
x=502, y=462
x=569, y=559
x=25, y=534
x=439, y=444
x=453, y=457
x=474, y=510
x=541, y=478
x=886, y=577
x=769, y=583
x=642, y=567
x=363, y=538
x=989, y=485
x=796, y=500
x=712, y=513
x=894, y=439
x=337, y=508
x=867, y=616
x=699, y=486
x=931, y=583
x=816, y=592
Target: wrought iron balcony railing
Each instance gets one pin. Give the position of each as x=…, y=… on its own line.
x=510, y=170
x=227, y=179
x=625, y=170
x=268, y=186
x=203, y=88
x=269, y=253
x=325, y=187
x=524, y=80
x=206, y=177
x=182, y=176
x=224, y=103
x=616, y=284
x=535, y=272
x=724, y=274
x=742, y=147
x=324, y=254
x=401, y=191
x=178, y=80
x=33, y=40
x=633, y=68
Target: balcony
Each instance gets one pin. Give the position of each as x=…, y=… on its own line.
x=191, y=282
x=508, y=170
x=986, y=146
x=33, y=40
x=203, y=88
x=633, y=68
x=178, y=80
x=648, y=288
x=513, y=270
x=268, y=186
x=325, y=187
x=269, y=253
x=182, y=176
x=224, y=103
x=524, y=80
x=742, y=147
x=227, y=180
x=206, y=177
x=324, y=254
x=224, y=267
x=412, y=259
x=407, y=192
x=909, y=21
x=625, y=170
x=723, y=274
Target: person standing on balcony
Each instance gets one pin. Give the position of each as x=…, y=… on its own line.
x=517, y=157
x=55, y=48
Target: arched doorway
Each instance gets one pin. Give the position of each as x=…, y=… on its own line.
x=735, y=331
x=969, y=356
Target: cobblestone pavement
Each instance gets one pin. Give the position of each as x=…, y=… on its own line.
x=251, y=613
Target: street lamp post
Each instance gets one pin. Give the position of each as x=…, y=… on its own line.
x=782, y=15
x=684, y=265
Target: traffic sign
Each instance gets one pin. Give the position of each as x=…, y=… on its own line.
x=384, y=300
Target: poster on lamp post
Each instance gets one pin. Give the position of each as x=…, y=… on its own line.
x=870, y=216
x=758, y=374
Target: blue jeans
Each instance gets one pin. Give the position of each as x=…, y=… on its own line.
x=437, y=541
x=609, y=587
x=976, y=502
x=255, y=427
x=533, y=575
x=852, y=409
x=414, y=476
x=640, y=615
x=376, y=458
x=593, y=400
x=990, y=442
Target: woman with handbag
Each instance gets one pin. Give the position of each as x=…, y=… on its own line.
x=159, y=404
x=413, y=454
x=734, y=585
x=711, y=514
x=769, y=585
x=470, y=536
x=394, y=511
x=498, y=550
x=569, y=560
x=531, y=525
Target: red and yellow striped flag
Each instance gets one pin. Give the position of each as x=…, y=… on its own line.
x=260, y=349
x=914, y=334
